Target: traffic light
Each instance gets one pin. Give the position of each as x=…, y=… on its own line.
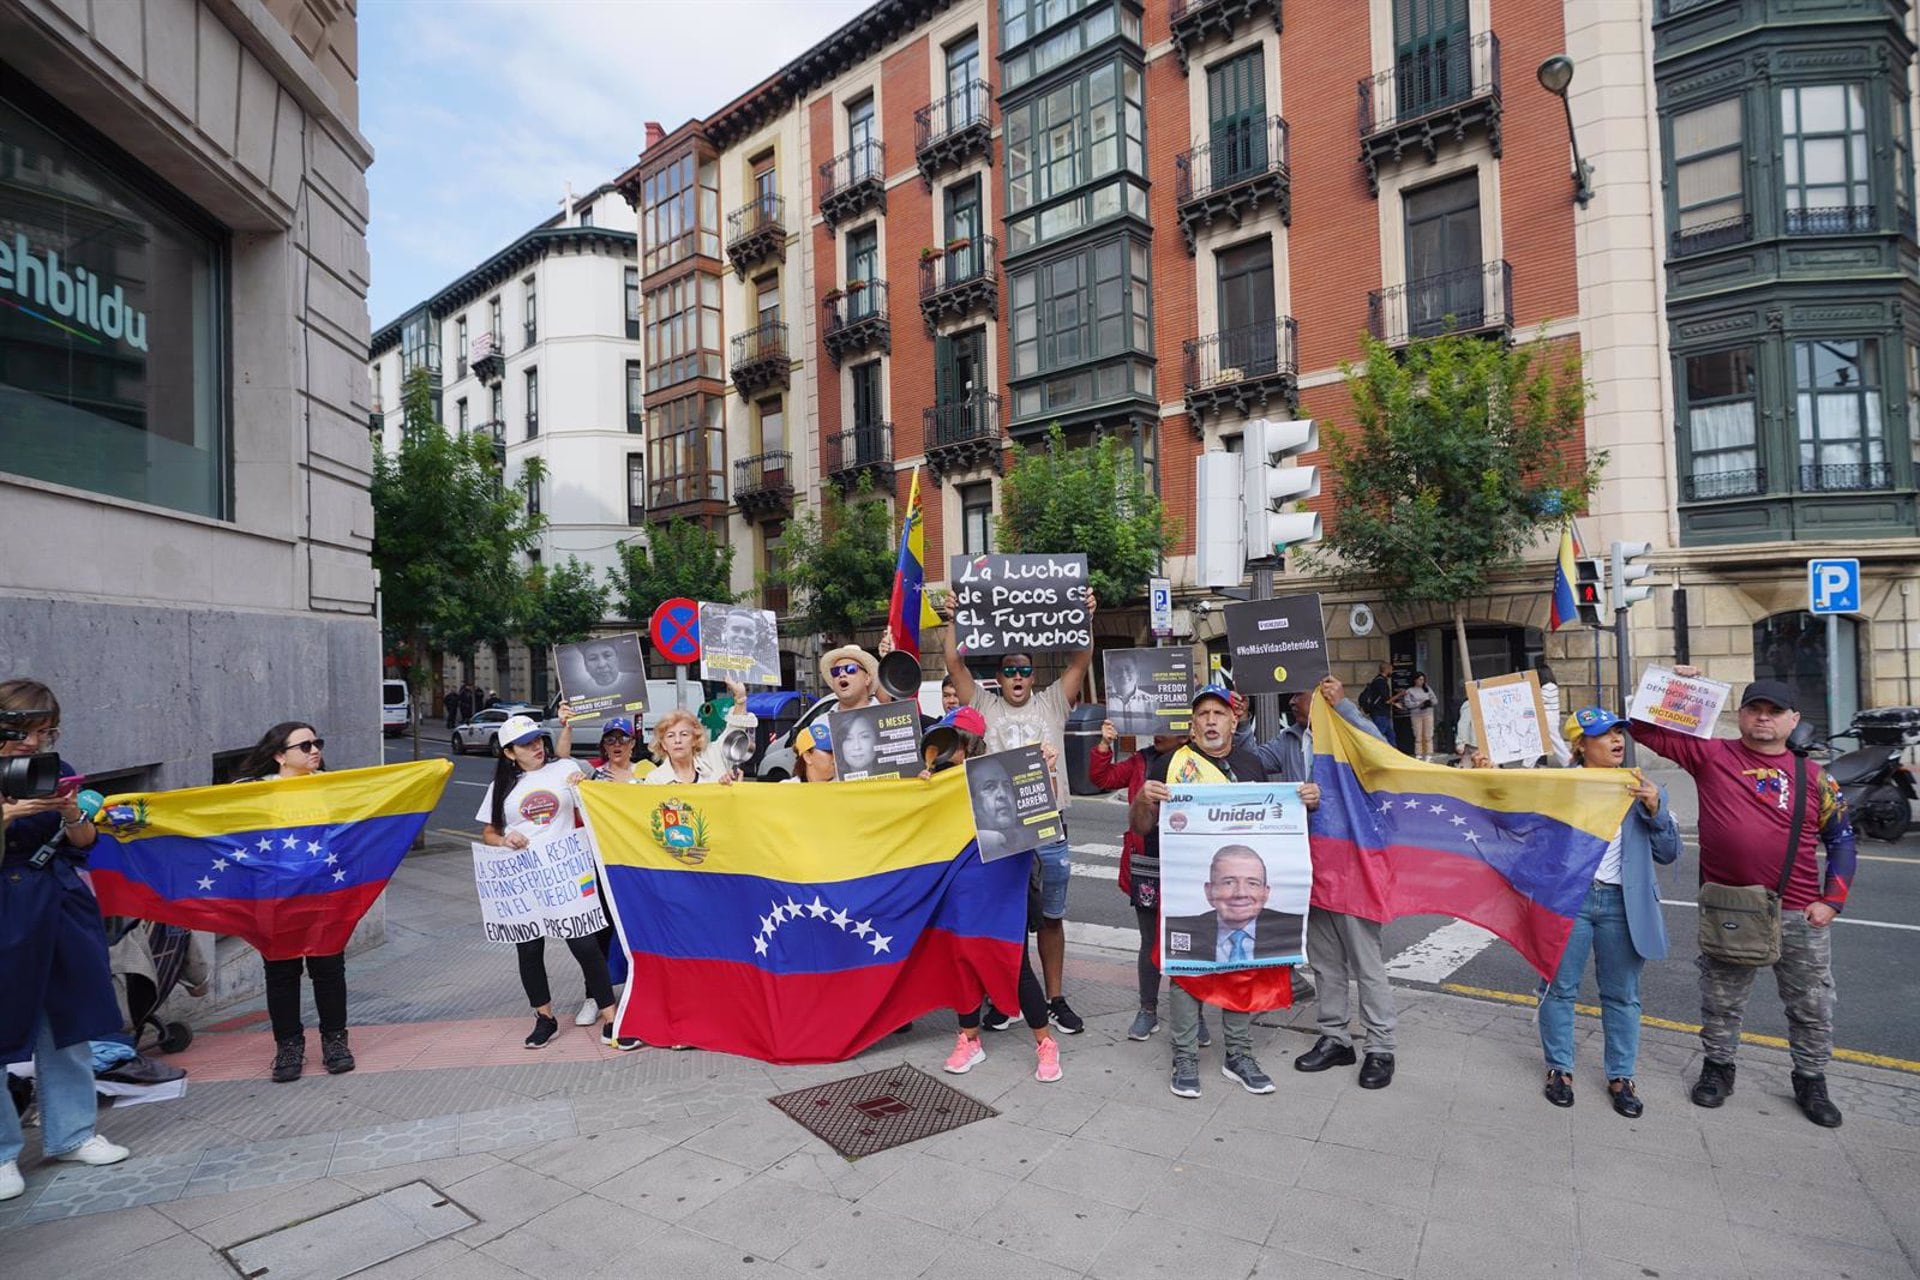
x=1626, y=574
x=1590, y=589
x=1218, y=529
x=1265, y=485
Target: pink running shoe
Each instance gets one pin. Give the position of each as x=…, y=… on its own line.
x=1049, y=1069
x=967, y=1054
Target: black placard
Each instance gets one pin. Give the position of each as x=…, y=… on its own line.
x=603, y=676
x=1278, y=646
x=1149, y=690
x=738, y=642
x=881, y=741
x=1020, y=604
x=1013, y=805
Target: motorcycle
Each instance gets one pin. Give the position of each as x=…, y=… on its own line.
x=1874, y=779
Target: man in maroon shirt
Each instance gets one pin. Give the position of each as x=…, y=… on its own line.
x=1746, y=814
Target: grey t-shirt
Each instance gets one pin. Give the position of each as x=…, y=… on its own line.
x=1043, y=718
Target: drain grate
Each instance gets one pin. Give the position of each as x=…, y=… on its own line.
x=864, y=1114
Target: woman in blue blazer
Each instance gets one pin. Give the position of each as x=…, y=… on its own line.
x=1619, y=923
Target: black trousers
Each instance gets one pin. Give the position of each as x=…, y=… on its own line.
x=329, y=974
x=587, y=952
x=1148, y=972
x=1033, y=999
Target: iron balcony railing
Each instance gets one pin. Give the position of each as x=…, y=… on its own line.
x=767, y=213
x=860, y=300
x=1464, y=300
x=1235, y=153
x=971, y=261
x=944, y=117
x=1742, y=482
x=1831, y=220
x=1713, y=235
x=977, y=417
x=866, y=445
x=763, y=473
x=1430, y=79
x=765, y=341
x=1241, y=354
x=859, y=163
x=1674, y=8
x=1845, y=477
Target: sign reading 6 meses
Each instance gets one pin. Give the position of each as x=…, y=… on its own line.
x=1020, y=604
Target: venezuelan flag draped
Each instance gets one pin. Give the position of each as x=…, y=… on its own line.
x=909, y=611
x=803, y=923
x=1512, y=851
x=289, y=866
x=1565, y=607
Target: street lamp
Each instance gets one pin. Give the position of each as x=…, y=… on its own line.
x=1555, y=74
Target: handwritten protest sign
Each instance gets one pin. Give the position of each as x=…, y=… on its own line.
x=1020, y=604
x=547, y=889
x=1686, y=704
x=1509, y=716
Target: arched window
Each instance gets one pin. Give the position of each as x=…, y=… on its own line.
x=1793, y=647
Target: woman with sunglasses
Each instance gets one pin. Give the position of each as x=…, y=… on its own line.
x=616, y=753
x=292, y=749
x=680, y=745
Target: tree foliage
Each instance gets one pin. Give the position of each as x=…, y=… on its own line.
x=448, y=536
x=1461, y=455
x=679, y=558
x=564, y=603
x=837, y=563
x=1093, y=499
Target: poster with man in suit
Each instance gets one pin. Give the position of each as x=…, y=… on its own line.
x=1235, y=877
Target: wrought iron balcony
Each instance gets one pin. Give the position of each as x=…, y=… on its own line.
x=1845, y=477
x=853, y=181
x=960, y=280
x=487, y=357
x=1707, y=485
x=1833, y=220
x=760, y=358
x=857, y=320
x=950, y=130
x=1476, y=299
x=1242, y=166
x=1438, y=92
x=763, y=484
x=963, y=434
x=1241, y=369
x=497, y=432
x=1711, y=235
x=1674, y=8
x=868, y=447
x=1193, y=22
x=756, y=232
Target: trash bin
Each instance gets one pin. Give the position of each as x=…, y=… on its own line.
x=1889, y=727
x=777, y=709
x=1083, y=735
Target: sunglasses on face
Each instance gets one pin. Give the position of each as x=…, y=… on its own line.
x=846, y=669
x=616, y=740
x=1016, y=672
x=311, y=744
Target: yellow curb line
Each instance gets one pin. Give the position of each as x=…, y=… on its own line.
x=1664, y=1024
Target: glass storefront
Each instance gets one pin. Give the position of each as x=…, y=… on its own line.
x=112, y=343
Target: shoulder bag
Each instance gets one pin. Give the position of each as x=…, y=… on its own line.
x=1740, y=923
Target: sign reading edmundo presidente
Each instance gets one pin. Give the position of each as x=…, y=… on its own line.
x=1278, y=646
x=1020, y=604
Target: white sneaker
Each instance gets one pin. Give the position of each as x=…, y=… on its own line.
x=95, y=1150
x=589, y=1013
x=11, y=1183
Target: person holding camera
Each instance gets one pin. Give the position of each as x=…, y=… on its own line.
x=58, y=993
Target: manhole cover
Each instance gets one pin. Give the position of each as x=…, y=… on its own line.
x=864, y=1114
x=352, y=1238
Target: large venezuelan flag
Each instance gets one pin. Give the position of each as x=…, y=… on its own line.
x=803, y=923
x=1511, y=850
x=289, y=866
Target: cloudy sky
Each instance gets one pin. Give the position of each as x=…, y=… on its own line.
x=481, y=111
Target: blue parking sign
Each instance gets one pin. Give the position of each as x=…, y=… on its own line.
x=1833, y=586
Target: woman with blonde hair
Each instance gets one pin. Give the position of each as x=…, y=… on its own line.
x=680, y=745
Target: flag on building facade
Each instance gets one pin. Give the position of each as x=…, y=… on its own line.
x=908, y=611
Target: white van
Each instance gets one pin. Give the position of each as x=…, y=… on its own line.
x=396, y=708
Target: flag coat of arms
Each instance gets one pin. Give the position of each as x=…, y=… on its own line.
x=289, y=866
x=1511, y=850
x=803, y=923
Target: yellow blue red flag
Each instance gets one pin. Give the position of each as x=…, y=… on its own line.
x=908, y=610
x=1565, y=606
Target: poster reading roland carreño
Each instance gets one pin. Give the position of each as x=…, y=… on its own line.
x=1235, y=877
x=1020, y=604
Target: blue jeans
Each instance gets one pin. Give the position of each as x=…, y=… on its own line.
x=1056, y=872
x=1383, y=721
x=63, y=1084
x=1600, y=928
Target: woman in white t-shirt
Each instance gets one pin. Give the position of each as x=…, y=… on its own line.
x=530, y=794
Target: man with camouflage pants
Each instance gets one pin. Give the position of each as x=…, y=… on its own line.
x=1746, y=813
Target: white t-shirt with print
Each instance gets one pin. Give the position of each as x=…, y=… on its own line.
x=539, y=800
x=1043, y=718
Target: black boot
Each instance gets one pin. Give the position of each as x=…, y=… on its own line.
x=1811, y=1093
x=289, y=1058
x=334, y=1052
x=1715, y=1084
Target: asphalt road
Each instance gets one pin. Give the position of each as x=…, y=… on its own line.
x=1876, y=953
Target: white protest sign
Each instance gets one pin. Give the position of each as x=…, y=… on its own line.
x=1685, y=704
x=1511, y=717
x=547, y=889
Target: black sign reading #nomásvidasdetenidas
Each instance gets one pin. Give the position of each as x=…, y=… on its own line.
x=1020, y=604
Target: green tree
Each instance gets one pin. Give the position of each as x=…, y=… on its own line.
x=563, y=604
x=679, y=558
x=447, y=539
x=1461, y=455
x=837, y=562
x=1092, y=499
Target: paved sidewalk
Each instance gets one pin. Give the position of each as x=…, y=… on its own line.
x=580, y=1162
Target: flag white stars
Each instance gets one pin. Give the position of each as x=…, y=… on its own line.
x=841, y=919
x=332, y=858
x=878, y=942
x=219, y=864
x=816, y=908
x=290, y=842
x=760, y=945
x=339, y=876
x=206, y=882
x=783, y=913
x=266, y=844
x=1438, y=808
x=862, y=929
x=1457, y=820
x=313, y=848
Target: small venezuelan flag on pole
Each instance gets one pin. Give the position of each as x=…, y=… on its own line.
x=909, y=611
x=1566, y=606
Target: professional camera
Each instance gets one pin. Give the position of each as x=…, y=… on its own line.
x=26, y=777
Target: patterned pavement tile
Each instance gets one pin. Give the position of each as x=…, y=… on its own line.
x=260, y=1164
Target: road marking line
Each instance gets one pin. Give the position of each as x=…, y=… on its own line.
x=1106, y=937
x=1440, y=953
x=462, y=782
x=1098, y=872
x=1666, y=1024
x=1841, y=919
x=1882, y=857
x=1097, y=850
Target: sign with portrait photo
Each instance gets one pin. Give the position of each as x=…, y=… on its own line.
x=547, y=890
x=739, y=642
x=881, y=741
x=1149, y=691
x=1686, y=704
x=1014, y=809
x=1020, y=604
x=1509, y=717
x=1235, y=877
x=603, y=676
x=1277, y=646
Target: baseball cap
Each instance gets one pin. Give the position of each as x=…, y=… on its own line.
x=1778, y=692
x=1219, y=691
x=967, y=719
x=1591, y=722
x=515, y=730
x=815, y=737
x=617, y=724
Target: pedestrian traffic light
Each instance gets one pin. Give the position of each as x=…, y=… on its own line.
x=1590, y=589
x=1265, y=485
x=1626, y=574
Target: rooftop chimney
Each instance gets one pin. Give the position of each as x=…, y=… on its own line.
x=654, y=132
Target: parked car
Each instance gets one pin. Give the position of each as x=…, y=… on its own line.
x=479, y=734
x=776, y=762
x=396, y=708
